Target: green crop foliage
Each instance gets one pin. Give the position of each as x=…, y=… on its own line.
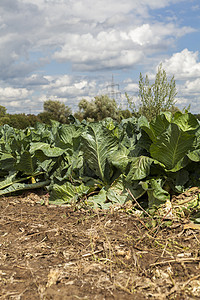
x=105, y=162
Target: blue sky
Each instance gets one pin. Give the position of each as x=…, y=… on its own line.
x=67, y=50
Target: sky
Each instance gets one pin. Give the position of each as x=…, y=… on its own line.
x=68, y=50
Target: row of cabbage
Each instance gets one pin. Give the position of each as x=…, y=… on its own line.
x=102, y=163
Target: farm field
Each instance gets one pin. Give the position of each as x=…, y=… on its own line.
x=101, y=210
x=56, y=252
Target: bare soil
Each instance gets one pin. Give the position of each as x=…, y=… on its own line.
x=49, y=252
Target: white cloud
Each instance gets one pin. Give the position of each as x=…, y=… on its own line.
x=10, y=93
x=131, y=87
x=185, y=67
x=80, y=32
x=87, y=9
x=115, y=48
x=68, y=89
x=106, y=50
x=183, y=64
x=38, y=36
x=100, y=10
x=192, y=87
x=142, y=35
x=35, y=80
x=56, y=82
x=13, y=98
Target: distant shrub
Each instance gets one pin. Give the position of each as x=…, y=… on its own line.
x=19, y=121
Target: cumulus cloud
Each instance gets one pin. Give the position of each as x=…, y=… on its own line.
x=88, y=38
x=184, y=64
x=79, y=32
x=116, y=48
x=68, y=89
x=10, y=93
x=13, y=98
x=131, y=87
x=192, y=87
x=111, y=49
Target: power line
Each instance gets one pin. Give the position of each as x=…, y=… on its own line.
x=114, y=92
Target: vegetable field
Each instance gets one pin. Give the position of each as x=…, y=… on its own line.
x=101, y=210
x=103, y=164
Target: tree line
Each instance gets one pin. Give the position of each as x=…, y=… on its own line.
x=153, y=99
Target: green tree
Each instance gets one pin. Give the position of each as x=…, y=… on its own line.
x=4, y=120
x=19, y=121
x=125, y=114
x=32, y=119
x=98, y=109
x=2, y=111
x=45, y=117
x=155, y=98
x=57, y=111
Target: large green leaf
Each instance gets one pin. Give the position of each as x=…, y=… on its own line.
x=117, y=194
x=187, y=122
x=109, y=123
x=156, y=194
x=144, y=125
x=156, y=127
x=120, y=188
x=25, y=163
x=7, y=162
x=100, y=200
x=128, y=130
x=98, y=144
x=41, y=133
x=47, y=149
x=15, y=187
x=9, y=180
x=120, y=159
x=67, y=193
x=194, y=155
x=172, y=146
x=160, y=124
x=139, y=168
x=66, y=134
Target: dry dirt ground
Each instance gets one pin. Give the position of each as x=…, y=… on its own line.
x=49, y=252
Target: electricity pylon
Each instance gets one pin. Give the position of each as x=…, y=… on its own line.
x=114, y=92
